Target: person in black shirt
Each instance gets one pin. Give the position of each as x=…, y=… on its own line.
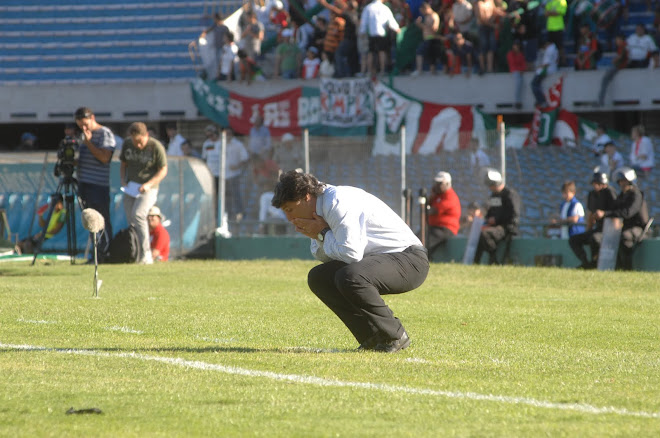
x=502, y=217
x=602, y=197
x=630, y=206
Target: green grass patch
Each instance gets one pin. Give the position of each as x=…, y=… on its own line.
x=213, y=348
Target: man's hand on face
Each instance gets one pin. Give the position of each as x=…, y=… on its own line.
x=310, y=227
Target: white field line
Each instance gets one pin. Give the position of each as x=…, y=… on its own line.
x=319, y=381
x=35, y=321
x=124, y=330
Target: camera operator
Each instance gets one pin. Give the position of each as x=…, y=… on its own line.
x=97, y=144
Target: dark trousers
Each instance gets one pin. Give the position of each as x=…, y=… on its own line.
x=592, y=238
x=438, y=236
x=629, y=238
x=98, y=197
x=353, y=291
x=490, y=237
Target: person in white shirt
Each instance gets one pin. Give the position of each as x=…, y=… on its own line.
x=611, y=159
x=640, y=46
x=175, y=140
x=311, y=64
x=229, y=58
x=601, y=140
x=235, y=164
x=642, y=157
x=376, y=18
x=478, y=157
x=367, y=251
x=548, y=66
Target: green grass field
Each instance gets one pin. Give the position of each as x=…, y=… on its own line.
x=212, y=348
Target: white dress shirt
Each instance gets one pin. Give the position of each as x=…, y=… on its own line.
x=643, y=146
x=360, y=225
x=376, y=18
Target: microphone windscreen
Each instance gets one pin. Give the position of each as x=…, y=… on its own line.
x=92, y=220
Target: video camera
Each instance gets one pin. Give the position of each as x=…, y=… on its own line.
x=66, y=154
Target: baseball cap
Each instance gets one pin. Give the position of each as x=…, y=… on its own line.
x=442, y=177
x=287, y=137
x=155, y=211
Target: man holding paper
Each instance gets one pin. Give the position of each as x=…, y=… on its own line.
x=143, y=167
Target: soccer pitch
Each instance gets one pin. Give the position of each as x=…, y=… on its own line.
x=214, y=348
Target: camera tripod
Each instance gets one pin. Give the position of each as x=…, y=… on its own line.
x=68, y=188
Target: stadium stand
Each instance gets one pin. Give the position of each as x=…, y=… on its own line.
x=86, y=41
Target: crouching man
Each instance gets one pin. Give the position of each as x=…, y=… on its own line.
x=367, y=251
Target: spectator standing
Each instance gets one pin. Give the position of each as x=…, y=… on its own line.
x=517, y=66
x=311, y=64
x=600, y=198
x=528, y=32
x=444, y=213
x=502, y=217
x=320, y=29
x=555, y=10
x=464, y=18
x=95, y=154
x=229, y=59
x=611, y=159
x=429, y=48
x=640, y=46
x=587, y=51
x=375, y=20
x=548, y=65
x=642, y=157
x=260, y=138
x=630, y=206
x=252, y=36
x=288, y=57
x=487, y=12
x=143, y=167
x=211, y=154
x=334, y=34
x=571, y=212
x=619, y=62
x=367, y=251
x=175, y=140
x=235, y=164
x=159, y=238
x=217, y=32
x=347, y=62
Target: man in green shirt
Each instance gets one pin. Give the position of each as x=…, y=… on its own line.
x=555, y=10
x=143, y=167
x=288, y=57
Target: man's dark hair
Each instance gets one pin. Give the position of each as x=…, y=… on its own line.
x=294, y=186
x=83, y=113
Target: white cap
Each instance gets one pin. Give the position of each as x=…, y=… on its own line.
x=287, y=137
x=155, y=211
x=443, y=177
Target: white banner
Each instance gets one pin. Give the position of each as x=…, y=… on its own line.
x=347, y=102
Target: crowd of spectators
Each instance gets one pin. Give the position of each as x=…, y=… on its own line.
x=357, y=37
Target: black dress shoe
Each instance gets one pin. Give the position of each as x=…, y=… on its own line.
x=370, y=343
x=394, y=345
